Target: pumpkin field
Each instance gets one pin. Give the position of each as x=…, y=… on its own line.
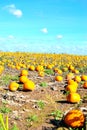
x=43, y=91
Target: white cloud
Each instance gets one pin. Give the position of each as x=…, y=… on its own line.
x=59, y=36
x=44, y=30
x=11, y=37
x=13, y=10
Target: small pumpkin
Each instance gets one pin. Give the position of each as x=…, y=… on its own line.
x=39, y=68
x=59, y=78
x=32, y=67
x=13, y=86
x=24, y=73
x=41, y=73
x=84, y=77
x=73, y=97
x=29, y=85
x=85, y=85
x=71, y=67
x=75, y=71
x=77, y=78
x=74, y=118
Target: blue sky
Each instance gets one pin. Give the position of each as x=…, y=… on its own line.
x=53, y=26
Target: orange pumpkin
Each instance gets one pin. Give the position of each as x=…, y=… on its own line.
x=73, y=97
x=73, y=83
x=77, y=78
x=75, y=71
x=41, y=73
x=71, y=88
x=71, y=68
x=23, y=79
x=85, y=85
x=70, y=81
x=13, y=86
x=84, y=77
x=58, y=78
x=32, y=67
x=74, y=118
x=29, y=85
x=24, y=73
x=39, y=68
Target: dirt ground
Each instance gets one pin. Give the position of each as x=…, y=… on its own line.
x=24, y=104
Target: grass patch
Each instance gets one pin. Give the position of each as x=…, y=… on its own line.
x=43, y=84
x=49, y=71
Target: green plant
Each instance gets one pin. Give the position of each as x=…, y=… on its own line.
x=57, y=114
x=76, y=128
x=4, y=109
x=40, y=104
x=15, y=78
x=3, y=126
x=49, y=71
x=31, y=119
x=14, y=127
x=5, y=79
x=43, y=84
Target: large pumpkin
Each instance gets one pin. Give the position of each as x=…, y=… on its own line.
x=74, y=118
x=29, y=85
x=73, y=97
x=71, y=88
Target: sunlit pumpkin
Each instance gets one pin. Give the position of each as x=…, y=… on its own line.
x=74, y=118
x=13, y=86
x=17, y=67
x=24, y=73
x=39, y=68
x=49, y=66
x=59, y=71
x=71, y=88
x=75, y=71
x=41, y=73
x=1, y=69
x=59, y=78
x=23, y=79
x=84, y=77
x=73, y=83
x=73, y=97
x=70, y=81
x=77, y=78
x=71, y=67
x=29, y=85
x=32, y=67
x=65, y=69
